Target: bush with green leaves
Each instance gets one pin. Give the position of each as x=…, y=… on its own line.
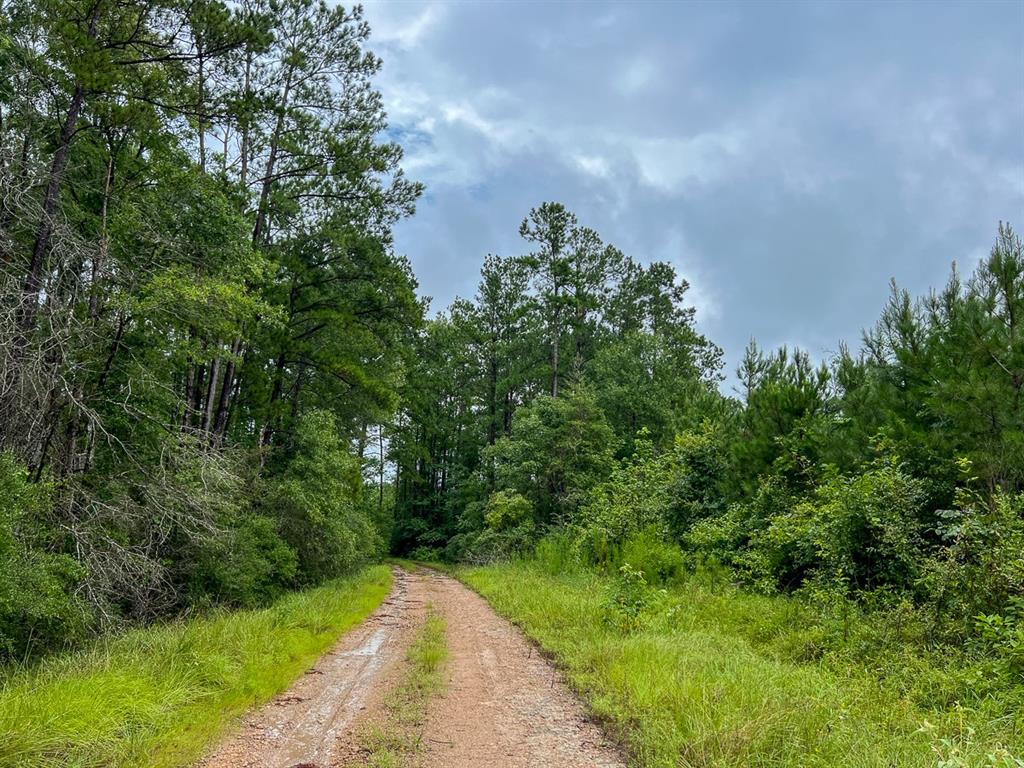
x=247, y=565
x=317, y=500
x=857, y=532
x=38, y=607
x=509, y=530
x=658, y=495
x=633, y=499
x=559, y=449
x=979, y=570
x=659, y=559
x=629, y=599
x=1004, y=634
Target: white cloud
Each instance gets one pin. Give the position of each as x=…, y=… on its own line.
x=637, y=75
x=594, y=165
x=670, y=164
x=392, y=26
x=689, y=263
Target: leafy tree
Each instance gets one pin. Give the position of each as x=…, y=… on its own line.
x=551, y=227
x=316, y=497
x=558, y=450
x=198, y=297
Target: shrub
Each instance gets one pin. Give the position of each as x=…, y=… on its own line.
x=697, y=467
x=980, y=570
x=316, y=498
x=861, y=532
x=633, y=499
x=725, y=541
x=427, y=555
x=1004, y=633
x=554, y=554
x=661, y=561
x=508, y=510
x=629, y=599
x=250, y=564
x=509, y=530
x=559, y=449
x=653, y=497
x=37, y=603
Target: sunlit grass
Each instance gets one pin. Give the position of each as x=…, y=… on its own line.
x=715, y=678
x=159, y=696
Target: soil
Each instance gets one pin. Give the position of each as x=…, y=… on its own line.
x=504, y=705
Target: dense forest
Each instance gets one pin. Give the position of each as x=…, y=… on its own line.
x=574, y=399
x=218, y=383
x=201, y=307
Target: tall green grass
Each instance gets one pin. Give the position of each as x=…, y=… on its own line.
x=718, y=677
x=159, y=696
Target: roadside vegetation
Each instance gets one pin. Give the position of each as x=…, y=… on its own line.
x=202, y=320
x=394, y=741
x=218, y=386
x=689, y=671
x=158, y=697
x=861, y=519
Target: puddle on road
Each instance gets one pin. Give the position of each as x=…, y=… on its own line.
x=372, y=646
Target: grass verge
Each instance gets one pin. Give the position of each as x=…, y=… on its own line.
x=157, y=697
x=706, y=677
x=393, y=742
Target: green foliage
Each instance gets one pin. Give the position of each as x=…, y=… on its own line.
x=250, y=564
x=507, y=510
x=629, y=599
x=659, y=495
x=509, y=530
x=1005, y=635
x=633, y=499
x=38, y=607
x=555, y=554
x=201, y=329
x=980, y=570
x=659, y=560
x=719, y=677
x=160, y=696
x=610, y=339
x=784, y=398
x=558, y=450
x=859, y=533
x=317, y=499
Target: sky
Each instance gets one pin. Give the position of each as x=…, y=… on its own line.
x=789, y=159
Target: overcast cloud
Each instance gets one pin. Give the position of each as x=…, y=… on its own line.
x=788, y=158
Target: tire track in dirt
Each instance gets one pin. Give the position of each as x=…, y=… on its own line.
x=505, y=706
x=308, y=724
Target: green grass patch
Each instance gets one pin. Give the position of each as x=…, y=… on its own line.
x=159, y=696
x=395, y=740
x=710, y=676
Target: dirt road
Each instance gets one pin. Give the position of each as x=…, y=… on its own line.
x=504, y=705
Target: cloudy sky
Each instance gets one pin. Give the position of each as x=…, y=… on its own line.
x=789, y=158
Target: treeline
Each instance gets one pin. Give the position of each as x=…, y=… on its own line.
x=570, y=347
x=573, y=398
x=200, y=308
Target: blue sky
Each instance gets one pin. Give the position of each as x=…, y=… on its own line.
x=789, y=158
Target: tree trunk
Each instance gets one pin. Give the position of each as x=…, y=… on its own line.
x=33, y=284
x=211, y=392
x=220, y=421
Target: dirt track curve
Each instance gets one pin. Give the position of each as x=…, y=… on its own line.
x=504, y=705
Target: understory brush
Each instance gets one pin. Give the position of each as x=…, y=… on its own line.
x=703, y=674
x=158, y=696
